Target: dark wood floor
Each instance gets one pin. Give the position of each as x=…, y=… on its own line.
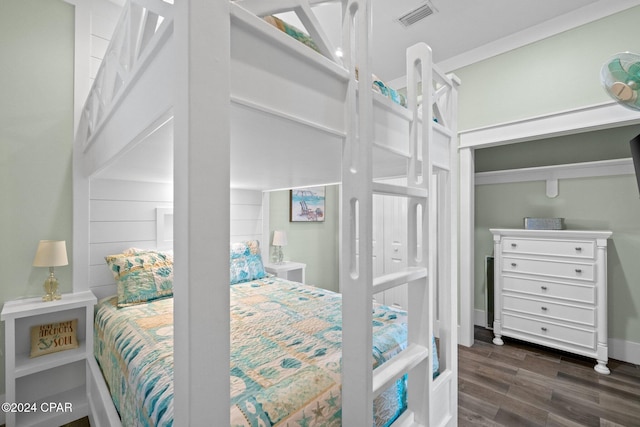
x=520, y=384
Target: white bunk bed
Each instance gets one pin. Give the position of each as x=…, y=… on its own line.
x=282, y=100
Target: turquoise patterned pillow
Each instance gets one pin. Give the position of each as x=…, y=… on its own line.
x=141, y=276
x=245, y=262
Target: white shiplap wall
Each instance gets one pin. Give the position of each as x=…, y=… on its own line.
x=123, y=215
x=246, y=216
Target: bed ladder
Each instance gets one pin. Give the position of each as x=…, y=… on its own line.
x=357, y=283
x=421, y=243
x=361, y=384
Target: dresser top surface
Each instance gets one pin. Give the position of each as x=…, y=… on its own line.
x=561, y=234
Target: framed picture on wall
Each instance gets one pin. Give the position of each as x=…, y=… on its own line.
x=306, y=204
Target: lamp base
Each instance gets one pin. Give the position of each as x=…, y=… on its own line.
x=51, y=288
x=51, y=297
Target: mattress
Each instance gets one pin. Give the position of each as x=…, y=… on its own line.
x=285, y=356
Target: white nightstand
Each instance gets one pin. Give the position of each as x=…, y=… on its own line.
x=293, y=271
x=34, y=384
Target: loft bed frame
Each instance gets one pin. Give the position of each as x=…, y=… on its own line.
x=231, y=86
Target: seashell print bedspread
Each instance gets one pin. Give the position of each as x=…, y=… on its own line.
x=285, y=356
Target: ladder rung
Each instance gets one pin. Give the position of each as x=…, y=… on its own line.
x=392, y=150
x=399, y=190
x=441, y=167
x=390, y=371
x=392, y=280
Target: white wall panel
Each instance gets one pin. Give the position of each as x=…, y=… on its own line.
x=103, y=189
x=94, y=66
x=245, y=197
x=100, y=275
x=247, y=228
x=246, y=212
x=100, y=250
x=246, y=216
x=125, y=210
x=98, y=47
x=122, y=231
x=123, y=215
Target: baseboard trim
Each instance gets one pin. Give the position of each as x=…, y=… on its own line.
x=626, y=351
x=480, y=318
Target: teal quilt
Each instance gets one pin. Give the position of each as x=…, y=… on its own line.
x=285, y=356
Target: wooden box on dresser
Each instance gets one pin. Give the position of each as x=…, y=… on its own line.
x=48, y=390
x=551, y=289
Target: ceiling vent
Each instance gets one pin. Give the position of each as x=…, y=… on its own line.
x=417, y=14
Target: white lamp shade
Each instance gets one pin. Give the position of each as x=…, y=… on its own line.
x=279, y=238
x=51, y=253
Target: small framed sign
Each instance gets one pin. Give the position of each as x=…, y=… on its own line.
x=53, y=337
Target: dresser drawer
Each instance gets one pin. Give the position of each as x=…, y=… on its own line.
x=585, y=293
x=543, y=330
x=551, y=310
x=550, y=247
x=560, y=269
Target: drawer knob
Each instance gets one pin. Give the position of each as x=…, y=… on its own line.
x=513, y=245
x=544, y=288
x=543, y=308
x=578, y=270
x=513, y=264
x=578, y=249
x=543, y=329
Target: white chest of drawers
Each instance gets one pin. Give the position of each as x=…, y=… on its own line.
x=551, y=289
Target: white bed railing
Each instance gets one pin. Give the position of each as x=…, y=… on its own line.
x=302, y=8
x=143, y=26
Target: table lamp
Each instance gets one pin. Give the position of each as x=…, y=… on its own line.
x=279, y=240
x=51, y=253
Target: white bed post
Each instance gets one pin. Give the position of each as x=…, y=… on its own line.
x=421, y=247
x=432, y=402
x=356, y=273
x=467, y=255
x=448, y=211
x=201, y=206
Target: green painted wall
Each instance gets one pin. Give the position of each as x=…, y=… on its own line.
x=555, y=74
x=36, y=138
x=314, y=243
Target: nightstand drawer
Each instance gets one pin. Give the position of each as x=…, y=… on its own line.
x=567, y=270
x=565, y=312
x=550, y=331
x=585, y=293
x=578, y=249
